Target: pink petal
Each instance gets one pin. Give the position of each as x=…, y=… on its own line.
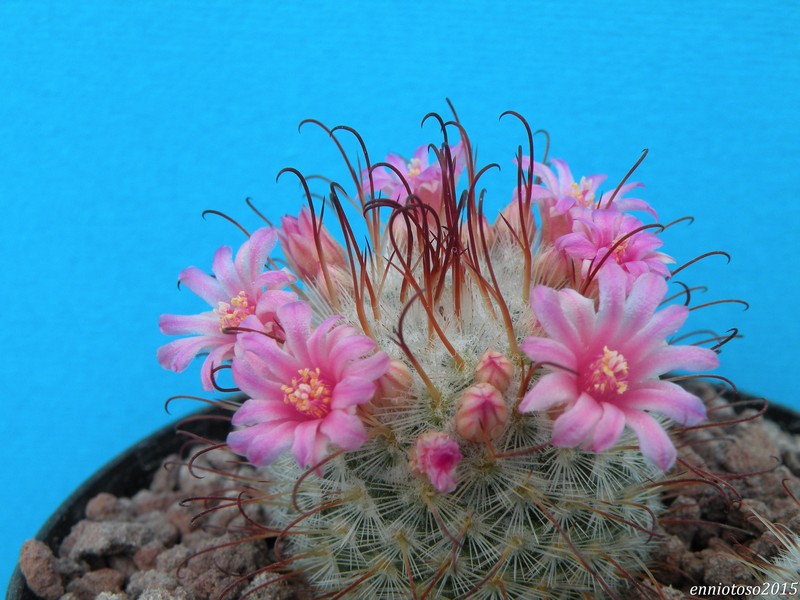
x=421, y=154
x=351, y=391
x=547, y=176
x=216, y=357
x=608, y=428
x=255, y=411
x=343, y=429
x=253, y=254
x=644, y=298
x=398, y=162
x=371, y=368
x=550, y=352
x=253, y=379
x=320, y=341
x=264, y=355
x=295, y=318
x=262, y=444
x=596, y=180
x=565, y=177
x=549, y=313
x=204, y=286
x=177, y=354
x=206, y=323
x=351, y=348
x=663, y=324
x=672, y=358
x=271, y=300
x=274, y=279
x=577, y=422
x=576, y=245
x=653, y=440
x=381, y=180
x=579, y=311
x=564, y=204
x=668, y=399
x=309, y=446
x=634, y=204
x=551, y=390
x=225, y=272
x=613, y=288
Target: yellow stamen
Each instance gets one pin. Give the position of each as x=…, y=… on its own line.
x=414, y=167
x=233, y=313
x=608, y=373
x=582, y=193
x=308, y=393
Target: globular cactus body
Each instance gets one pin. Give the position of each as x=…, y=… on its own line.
x=461, y=409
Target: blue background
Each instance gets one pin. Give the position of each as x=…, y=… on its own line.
x=121, y=122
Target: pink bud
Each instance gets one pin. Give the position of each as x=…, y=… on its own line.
x=436, y=456
x=552, y=268
x=479, y=232
x=494, y=368
x=481, y=412
x=515, y=222
x=393, y=386
x=298, y=241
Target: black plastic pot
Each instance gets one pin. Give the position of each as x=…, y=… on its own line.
x=123, y=476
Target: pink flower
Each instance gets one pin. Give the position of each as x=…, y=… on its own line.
x=239, y=288
x=558, y=193
x=304, y=393
x=564, y=192
x=423, y=179
x=298, y=243
x=605, y=365
x=596, y=232
x=435, y=455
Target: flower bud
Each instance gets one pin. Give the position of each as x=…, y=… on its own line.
x=393, y=386
x=298, y=241
x=481, y=413
x=435, y=455
x=494, y=368
x=482, y=231
x=515, y=223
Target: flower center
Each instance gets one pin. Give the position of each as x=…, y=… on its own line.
x=582, y=192
x=608, y=373
x=414, y=167
x=619, y=252
x=308, y=394
x=233, y=313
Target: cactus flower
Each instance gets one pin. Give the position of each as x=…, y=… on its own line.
x=598, y=233
x=424, y=180
x=303, y=394
x=605, y=365
x=564, y=193
x=239, y=288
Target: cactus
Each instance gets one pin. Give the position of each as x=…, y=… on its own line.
x=457, y=408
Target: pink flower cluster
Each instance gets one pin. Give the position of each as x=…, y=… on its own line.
x=597, y=350
x=605, y=349
x=304, y=384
